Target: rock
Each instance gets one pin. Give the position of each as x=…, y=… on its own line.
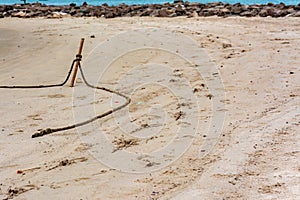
x=269, y=11
x=249, y=13
x=179, y=8
x=85, y=11
x=79, y=14
x=167, y=4
x=236, y=10
x=146, y=12
x=263, y=13
x=280, y=13
x=72, y=4
x=109, y=15
x=290, y=10
x=95, y=13
x=31, y=14
x=193, y=14
x=209, y=12
x=173, y=15
x=7, y=8
x=178, y=2
x=55, y=15
x=296, y=14
x=224, y=12
x=163, y=13
x=72, y=12
x=154, y=13
x=19, y=14
x=44, y=9
x=38, y=14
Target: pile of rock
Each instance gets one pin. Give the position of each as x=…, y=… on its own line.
x=178, y=8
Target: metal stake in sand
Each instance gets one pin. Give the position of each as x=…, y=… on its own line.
x=78, y=56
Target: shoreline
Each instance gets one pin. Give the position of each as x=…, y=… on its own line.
x=178, y=8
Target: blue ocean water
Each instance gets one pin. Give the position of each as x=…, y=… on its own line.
x=130, y=2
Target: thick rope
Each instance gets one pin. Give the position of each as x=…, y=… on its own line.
x=53, y=130
x=43, y=86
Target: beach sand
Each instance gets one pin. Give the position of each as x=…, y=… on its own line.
x=256, y=155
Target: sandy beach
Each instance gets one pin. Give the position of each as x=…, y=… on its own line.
x=254, y=63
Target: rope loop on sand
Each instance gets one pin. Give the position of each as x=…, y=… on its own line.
x=53, y=130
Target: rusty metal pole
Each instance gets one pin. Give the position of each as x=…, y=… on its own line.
x=77, y=63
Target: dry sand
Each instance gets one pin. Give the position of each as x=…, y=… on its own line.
x=257, y=154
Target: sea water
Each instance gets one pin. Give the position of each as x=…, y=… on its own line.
x=130, y=2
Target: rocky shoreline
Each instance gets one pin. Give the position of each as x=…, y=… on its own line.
x=178, y=8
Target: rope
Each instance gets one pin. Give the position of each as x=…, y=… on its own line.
x=43, y=86
x=53, y=130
